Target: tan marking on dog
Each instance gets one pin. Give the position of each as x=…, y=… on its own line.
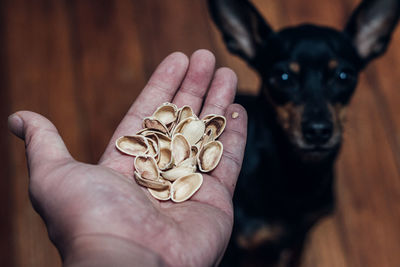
x=260, y=236
x=338, y=112
x=332, y=64
x=342, y=113
x=284, y=115
x=295, y=67
x=289, y=117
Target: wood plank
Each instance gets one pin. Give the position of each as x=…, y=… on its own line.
x=367, y=186
x=384, y=80
x=40, y=79
x=159, y=17
x=325, y=13
x=369, y=217
x=7, y=206
x=109, y=66
x=324, y=246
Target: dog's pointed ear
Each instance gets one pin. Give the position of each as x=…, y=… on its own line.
x=372, y=25
x=243, y=28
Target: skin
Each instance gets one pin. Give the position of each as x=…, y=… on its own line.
x=96, y=215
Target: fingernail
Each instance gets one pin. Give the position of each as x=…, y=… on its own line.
x=16, y=125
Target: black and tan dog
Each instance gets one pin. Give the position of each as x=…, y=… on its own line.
x=309, y=74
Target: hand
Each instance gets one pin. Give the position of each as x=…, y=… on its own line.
x=97, y=215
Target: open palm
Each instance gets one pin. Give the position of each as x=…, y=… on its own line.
x=81, y=202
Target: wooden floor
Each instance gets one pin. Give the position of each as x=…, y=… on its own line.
x=82, y=63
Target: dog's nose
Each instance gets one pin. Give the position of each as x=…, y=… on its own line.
x=317, y=133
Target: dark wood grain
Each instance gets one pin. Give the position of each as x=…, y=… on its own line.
x=82, y=64
x=7, y=206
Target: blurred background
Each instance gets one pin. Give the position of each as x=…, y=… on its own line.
x=82, y=63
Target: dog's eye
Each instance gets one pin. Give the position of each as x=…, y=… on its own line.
x=345, y=76
x=280, y=79
x=284, y=77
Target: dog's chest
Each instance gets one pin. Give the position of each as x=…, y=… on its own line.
x=271, y=183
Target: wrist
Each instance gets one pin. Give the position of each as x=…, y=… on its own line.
x=104, y=250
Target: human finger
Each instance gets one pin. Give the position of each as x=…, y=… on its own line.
x=44, y=146
x=221, y=93
x=197, y=80
x=234, y=142
x=161, y=88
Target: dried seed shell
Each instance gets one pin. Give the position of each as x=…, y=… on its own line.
x=194, y=151
x=171, y=146
x=151, y=136
x=165, y=159
x=206, y=138
x=184, y=113
x=167, y=113
x=191, y=162
x=154, y=124
x=178, y=172
x=209, y=156
x=216, y=124
x=158, y=184
x=163, y=139
x=183, y=188
x=208, y=117
x=191, y=128
x=153, y=148
x=163, y=194
x=146, y=167
x=180, y=148
x=132, y=145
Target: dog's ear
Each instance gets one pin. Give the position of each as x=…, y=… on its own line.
x=372, y=25
x=243, y=28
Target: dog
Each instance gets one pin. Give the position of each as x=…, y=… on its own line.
x=309, y=74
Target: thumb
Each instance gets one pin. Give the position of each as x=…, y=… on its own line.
x=44, y=146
